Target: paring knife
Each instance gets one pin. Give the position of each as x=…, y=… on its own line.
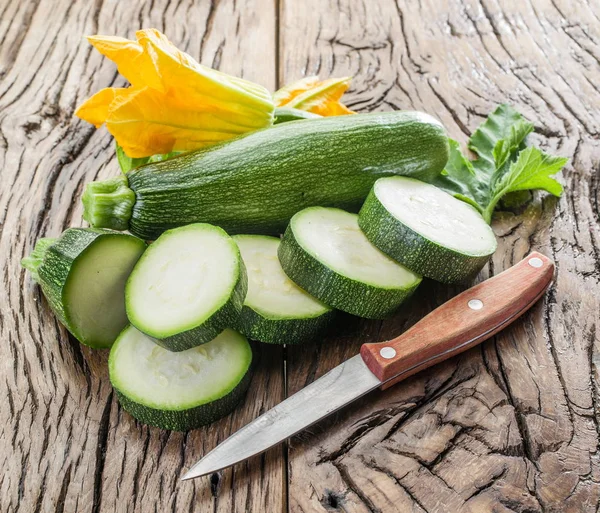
x=462, y=322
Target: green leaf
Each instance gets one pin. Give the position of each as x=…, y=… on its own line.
x=503, y=166
x=499, y=125
x=532, y=170
x=506, y=149
x=459, y=178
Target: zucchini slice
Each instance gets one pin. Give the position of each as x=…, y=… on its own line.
x=276, y=310
x=426, y=229
x=179, y=391
x=325, y=253
x=188, y=287
x=83, y=275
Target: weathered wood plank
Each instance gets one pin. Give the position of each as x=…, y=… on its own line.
x=65, y=445
x=511, y=426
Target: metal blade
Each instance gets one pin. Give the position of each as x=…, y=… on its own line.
x=340, y=386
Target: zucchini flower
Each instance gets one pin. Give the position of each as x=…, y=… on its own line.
x=173, y=103
x=313, y=95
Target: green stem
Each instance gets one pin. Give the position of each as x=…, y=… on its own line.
x=108, y=204
x=489, y=210
x=35, y=259
x=285, y=114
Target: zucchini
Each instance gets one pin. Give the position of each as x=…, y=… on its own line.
x=179, y=391
x=276, y=310
x=257, y=182
x=188, y=286
x=285, y=114
x=82, y=274
x=426, y=229
x=325, y=253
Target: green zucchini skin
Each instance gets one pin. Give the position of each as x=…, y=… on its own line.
x=269, y=330
x=191, y=418
x=334, y=289
x=52, y=261
x=184, y=420
x=411, y=249
x=261, y=323
x=285, y=114
x=256, y=183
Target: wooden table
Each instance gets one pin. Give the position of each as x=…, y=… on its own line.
x=509, y=426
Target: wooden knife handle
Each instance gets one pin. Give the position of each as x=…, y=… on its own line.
x=462, y=322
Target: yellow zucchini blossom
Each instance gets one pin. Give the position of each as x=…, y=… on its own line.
x=313, y=95
x=173, y=103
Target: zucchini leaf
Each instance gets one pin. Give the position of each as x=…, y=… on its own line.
x=504, y=164
x=532, y=170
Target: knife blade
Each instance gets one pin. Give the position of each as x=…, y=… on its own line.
x=462, y=322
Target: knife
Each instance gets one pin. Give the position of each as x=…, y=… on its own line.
x=459, y=324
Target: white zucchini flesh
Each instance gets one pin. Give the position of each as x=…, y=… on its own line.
x=157, y=378
x=436, y=215
x=333, y=237
x=95, y=289
x=183, y=278
x=270, y=291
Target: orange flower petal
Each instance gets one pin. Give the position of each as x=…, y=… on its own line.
x=174, y=104
x=288, y=92
x=203, y=87
x=313, y=95
x=130, y=59
x=331, y=108
x=146, y=122
x=95, y=109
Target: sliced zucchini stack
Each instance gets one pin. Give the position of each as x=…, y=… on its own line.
x=276, y=310
x=426, y=229
x=82, y=274
x=184, y=390
x=188, y=286
x=324, y=251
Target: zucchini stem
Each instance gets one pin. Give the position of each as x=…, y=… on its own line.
x=108, y=204
x=35, y=259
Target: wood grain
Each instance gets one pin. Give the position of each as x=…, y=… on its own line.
x=65, y=445
x=509, y=426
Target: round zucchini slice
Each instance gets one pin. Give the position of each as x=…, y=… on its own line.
x=276, y=310
x=426, y=229
x=82, y=274
x=325, y=253
x=184, y=390
x=188, y=287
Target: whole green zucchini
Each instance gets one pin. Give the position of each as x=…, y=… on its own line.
x=256, y=183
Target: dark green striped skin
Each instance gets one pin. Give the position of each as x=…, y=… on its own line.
x=285, y=114
x=192, y=418
x=257, y=326
x=334, y=289
x=256, y=183
x=414, y=251
x=227, y=315
x=55, y=263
